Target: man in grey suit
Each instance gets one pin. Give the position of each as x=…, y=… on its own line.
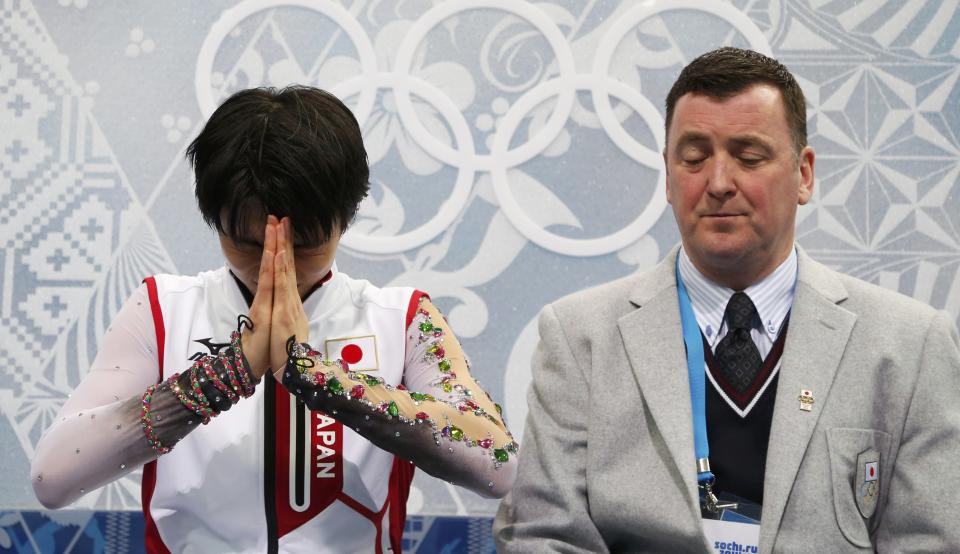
x=830, y=405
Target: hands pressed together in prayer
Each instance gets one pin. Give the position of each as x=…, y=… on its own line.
x=277, y=310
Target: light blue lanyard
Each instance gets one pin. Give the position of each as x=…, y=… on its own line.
x=696, y=370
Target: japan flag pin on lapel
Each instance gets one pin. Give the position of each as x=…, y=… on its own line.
x=806, y=400
x=867, y=490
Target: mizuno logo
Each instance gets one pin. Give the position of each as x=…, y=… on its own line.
x=213, y=347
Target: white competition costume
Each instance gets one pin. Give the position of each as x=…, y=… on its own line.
x=269, y=464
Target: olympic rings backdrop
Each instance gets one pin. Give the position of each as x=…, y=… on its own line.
x=515, y=150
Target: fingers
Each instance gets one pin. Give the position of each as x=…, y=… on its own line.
x=280, y=282
x=285, y=245
x=264, y=294
x=270, y=234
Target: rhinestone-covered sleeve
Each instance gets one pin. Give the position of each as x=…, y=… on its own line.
x=439, y=418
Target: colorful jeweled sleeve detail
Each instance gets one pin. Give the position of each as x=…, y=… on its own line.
x=210, y=386
x=449, y=427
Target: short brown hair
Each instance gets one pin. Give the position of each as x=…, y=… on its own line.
x=728, y=71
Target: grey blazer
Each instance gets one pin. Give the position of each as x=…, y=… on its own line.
x=608, y=462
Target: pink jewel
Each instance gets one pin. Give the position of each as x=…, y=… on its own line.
x=382, y=408
x=438, y=333
x=440, y=352
x=464, y=408
x=320, y=379
x=357, y=391
x=485, y=443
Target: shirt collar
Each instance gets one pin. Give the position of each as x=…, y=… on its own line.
x=773, y=297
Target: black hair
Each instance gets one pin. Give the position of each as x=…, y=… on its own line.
x=294, y=152
x=728, y=71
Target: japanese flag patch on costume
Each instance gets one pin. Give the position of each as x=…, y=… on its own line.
x=360, y=353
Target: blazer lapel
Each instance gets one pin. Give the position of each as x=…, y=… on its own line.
x=816, y=339
x=654, y=345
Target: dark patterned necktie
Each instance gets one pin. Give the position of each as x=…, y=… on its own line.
x=737, y=355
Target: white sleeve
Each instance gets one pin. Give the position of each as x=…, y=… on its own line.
x=97, y=437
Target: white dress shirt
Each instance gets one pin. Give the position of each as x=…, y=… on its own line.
x=772, y=296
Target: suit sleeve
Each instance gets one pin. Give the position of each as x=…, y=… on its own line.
x=547, y=511
x=922, y=500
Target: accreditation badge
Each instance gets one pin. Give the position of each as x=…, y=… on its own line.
x=867, y=483
x=731, y=537
x=735, y=529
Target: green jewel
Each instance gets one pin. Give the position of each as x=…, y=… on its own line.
x=393, y=410
x=456, y=433
x=301, y=365
x=444, y=366
x=426, y=327
x=447, y=387
x=371, y=380
x=433, y=349
x=420, y=397
x=499, y=409
x=501, y=455
x=334, y=386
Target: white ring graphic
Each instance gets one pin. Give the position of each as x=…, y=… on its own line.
x=627, y=21
x=642, y=154
x=447, y=211
x=232, y=16
x=522, y=153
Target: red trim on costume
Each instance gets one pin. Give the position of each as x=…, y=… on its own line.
x=414, y=304
x=400, y=479
x=152, y=542
x=401, y=475
x=157, y=320
x=323, y=459
x=376, y=518
x=320, y=283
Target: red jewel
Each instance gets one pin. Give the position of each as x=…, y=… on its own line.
x=485, y=443
x=401, y=387
x=320, y=379
x=357, y=391
x=312, y=353
x=422, y=415
x=464, y=408
x=440, y=352
x=472, y=405
x=424, y=312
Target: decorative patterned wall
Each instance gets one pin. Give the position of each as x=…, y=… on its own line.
x=514, y=150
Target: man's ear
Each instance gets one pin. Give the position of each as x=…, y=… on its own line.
x=805, y=162
x=666, y=174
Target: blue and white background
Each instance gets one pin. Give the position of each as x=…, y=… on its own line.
x=514, y=149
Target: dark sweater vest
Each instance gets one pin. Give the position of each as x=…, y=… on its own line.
x=738, y=445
